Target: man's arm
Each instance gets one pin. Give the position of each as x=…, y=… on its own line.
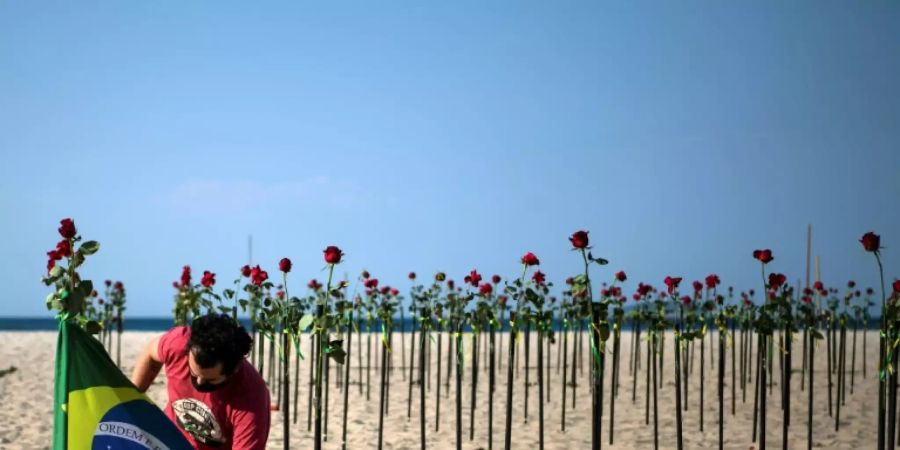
x=147, y=366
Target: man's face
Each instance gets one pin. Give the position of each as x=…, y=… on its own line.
x=206, y=380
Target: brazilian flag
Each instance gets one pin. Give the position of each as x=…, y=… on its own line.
x=97, y=408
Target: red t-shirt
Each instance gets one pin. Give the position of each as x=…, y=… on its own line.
x=234, y=417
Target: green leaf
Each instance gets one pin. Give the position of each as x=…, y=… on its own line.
x=305, y=322
x=89, y=247
x=55, y=273
x=601, y=261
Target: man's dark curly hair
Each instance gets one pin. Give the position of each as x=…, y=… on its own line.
x=218, y=338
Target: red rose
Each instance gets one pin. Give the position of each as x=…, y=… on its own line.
x=258, y=276
x=686, y=300
x=118, y=286
x=208, y=280
x=186, y=276
x=530, y=259
x=365, y=274
x=333, y=255
x=604, y=292
x=245, y=271
x=385, y=290
x=450, y=284
x=51, y=263
x=473, y=278
x=871, y=242
x=412, y=275
x=698, y=286
x=501, y=300
x=636, y=297
x=851, y=284
x=395, y=292
x=672, y=283
x=486, y=289
x=620, y=276
x=896, y=286
x=818, y=286
x=806, y=299
x=285, y=265
x=67, y=228
x=64, y=248
x=643, y=289
x=570, y=281
x=712, y=281
x=54, y=255
x=314, y=284
x=280, y=295
x=100, y=301
x=776, y=280
x=371, y=283
x=763, y=255
x=495, y=279
x=579, y=239
x=538, y=277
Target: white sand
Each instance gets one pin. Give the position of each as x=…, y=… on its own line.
x=26, y=417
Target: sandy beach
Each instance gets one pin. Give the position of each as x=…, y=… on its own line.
x=26, y=418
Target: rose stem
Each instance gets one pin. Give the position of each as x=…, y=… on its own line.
x=425, y=326
x=437, y=392
x=347, y=379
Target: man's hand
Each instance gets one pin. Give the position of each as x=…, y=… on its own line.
x=147, y=366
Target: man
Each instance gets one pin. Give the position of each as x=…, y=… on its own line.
x=217, y=399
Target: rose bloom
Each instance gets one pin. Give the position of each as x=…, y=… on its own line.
x=896, y=286
x=538, y=277
x=395, y=292
x=285, y=265
x=698, y=286
x=530, y=259
x=208, y=280
x=365, y=274
x=486, y=289
x=332, y=254
x=258, y=276
x=473, y=278
x=776, y=280
x=763, y=255
x=412, y=275
x=245, y=271
x=186, y=276
x=495, y=279
x=620, y=276
x=314, y=284
x=686, y=300
x=871, y=242
x=67, y=228
x=672, y=283
x=851, y=284
x=712, y=281
x=371, y=283
x=579, y=239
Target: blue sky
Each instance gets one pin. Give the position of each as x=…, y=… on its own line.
x=447, y=136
